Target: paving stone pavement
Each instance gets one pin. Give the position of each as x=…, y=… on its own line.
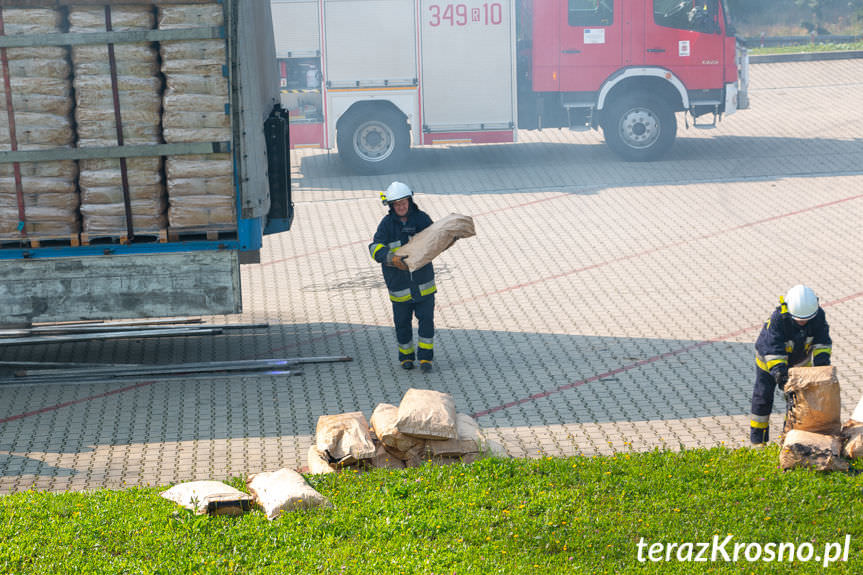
x=602, y=306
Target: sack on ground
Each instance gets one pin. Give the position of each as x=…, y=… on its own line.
x=435, y=239
x=852, y=434
x=816, y=450
x=813, y=398
x=413, y=457
x=283, y=490
x=857, y=414
x=213, y=497
x=383, y=423
x=317, y=464
x=344, y=439
x=427, y=414
x=469, y=439
x=385, y=460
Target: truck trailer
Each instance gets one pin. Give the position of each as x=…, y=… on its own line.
x=374, y=77
x=143, y=156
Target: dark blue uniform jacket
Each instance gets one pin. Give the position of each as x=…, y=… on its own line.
x=782, y=340
x=392, y=233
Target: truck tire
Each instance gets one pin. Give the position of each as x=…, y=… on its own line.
x=376, y=142
x=639, y=128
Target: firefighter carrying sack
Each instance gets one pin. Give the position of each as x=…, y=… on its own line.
x=813, y=400
x=435, y=239
x=816, y=450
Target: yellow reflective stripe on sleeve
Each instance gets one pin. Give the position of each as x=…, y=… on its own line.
x=775, y=362
x=816, y=351
x=377, y=248
x=770, y=361
x=758, y=424
x=396, y=244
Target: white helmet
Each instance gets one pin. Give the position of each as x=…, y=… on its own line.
x=397, y=191
x=802, y=302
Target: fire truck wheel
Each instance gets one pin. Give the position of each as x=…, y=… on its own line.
x=373, y=143
x=639, y=128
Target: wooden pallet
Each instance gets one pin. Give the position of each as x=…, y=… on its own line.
x=211, y=234
x=160, y=236
x=40, y=241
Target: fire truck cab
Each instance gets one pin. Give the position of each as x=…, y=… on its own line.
x=374, y=77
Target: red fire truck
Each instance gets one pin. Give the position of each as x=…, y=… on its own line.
x=373, y=77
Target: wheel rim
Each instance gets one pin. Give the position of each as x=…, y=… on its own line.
x=374, y=141
x=639, y=128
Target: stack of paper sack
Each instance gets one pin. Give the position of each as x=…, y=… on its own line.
x=39, y=79
x=140, y=87
x=200, y=188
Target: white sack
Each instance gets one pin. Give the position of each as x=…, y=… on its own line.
x=212, y=497
x=283, y=490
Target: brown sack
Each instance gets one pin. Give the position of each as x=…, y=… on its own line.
x=469, y=439
x=413, y=457
x=385, y=460
x=427, y=414
x=383, y=423
x=816, y=450
x=813, y=400
x=852, y=433
x=344, y=439
x=317, y=464
x=432, y=241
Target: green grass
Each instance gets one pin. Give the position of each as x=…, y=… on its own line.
x=805, y=48
x=576, y=515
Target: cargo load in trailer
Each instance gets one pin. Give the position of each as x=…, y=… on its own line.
x=143, y=155
x=374, y=77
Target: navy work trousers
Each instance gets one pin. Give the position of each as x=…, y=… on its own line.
x=403, y=313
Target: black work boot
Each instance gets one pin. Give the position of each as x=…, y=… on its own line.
x=425, y=366
x=407, y=364
x=758, y=437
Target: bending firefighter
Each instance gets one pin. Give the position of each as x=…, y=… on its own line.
x=796, y=335
x=411, y=293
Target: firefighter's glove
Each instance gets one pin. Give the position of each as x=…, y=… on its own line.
x=780, y=375
x=396, y=261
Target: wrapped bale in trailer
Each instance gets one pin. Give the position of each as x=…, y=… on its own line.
x=143, y=156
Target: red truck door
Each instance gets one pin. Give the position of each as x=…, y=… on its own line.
x=590, y=42
x=686, y=37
